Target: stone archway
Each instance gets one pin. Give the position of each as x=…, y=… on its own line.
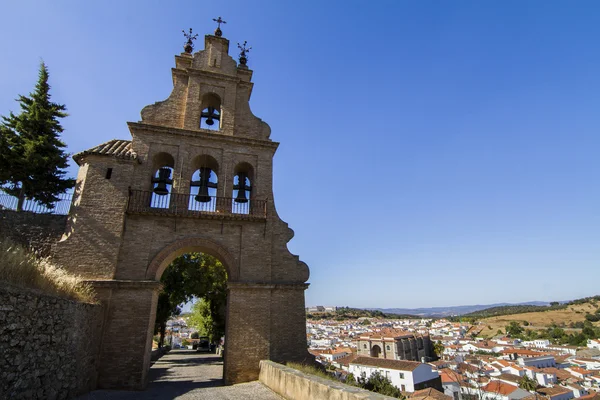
x=170, y=253
x=375, y=351
x=194, y=244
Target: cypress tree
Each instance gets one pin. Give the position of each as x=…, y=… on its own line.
x=32, y=156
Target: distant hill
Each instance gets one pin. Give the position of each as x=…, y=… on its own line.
x=439, y=312
x=344, y=313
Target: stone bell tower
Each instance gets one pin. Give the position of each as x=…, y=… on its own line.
x=196, y=176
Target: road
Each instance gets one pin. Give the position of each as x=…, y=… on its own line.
x=188, y=375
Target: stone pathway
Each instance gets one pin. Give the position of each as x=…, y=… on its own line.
x=188, y=375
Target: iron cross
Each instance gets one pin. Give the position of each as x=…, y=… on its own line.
x=219, y=21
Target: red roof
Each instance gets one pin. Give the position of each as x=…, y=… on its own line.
x=499, y=387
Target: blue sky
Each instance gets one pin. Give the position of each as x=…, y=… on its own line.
x=432, y=153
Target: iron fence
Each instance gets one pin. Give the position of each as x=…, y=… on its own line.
x=61, y=207
x=141, y=201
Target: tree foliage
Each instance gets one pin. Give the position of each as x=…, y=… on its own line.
x=380, y=384
x=346, y=313
x=193, y=275
x=32, y=156
x=514, y=329
x=527, y=383
x=438, y=348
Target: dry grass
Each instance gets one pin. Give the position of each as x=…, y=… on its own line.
x=21, y=268
x=311, y=370
x=540, y=320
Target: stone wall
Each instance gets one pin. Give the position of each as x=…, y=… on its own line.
x=292, y=384
x=36, y=231
x=48, y=345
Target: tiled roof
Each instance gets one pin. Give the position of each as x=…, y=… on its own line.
x=401, y=365
x=509, y=378
x=499, y=387
x=115, y=148
x=388, y=333
x=553, y=391
x=429, y=394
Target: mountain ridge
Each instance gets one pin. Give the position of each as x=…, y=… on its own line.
x=454, y=310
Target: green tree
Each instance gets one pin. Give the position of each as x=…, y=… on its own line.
x=32, y=156
x=202, y=319
x=192, y=275
x=380, y=384
x=514, y=329
x=438, y=348
x=527, y=383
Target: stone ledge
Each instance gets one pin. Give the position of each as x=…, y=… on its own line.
x=292, y=384
x=267, y=286
x=123, y=284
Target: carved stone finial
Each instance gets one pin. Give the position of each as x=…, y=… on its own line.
x=189, y=45
x=218, y=31
x=244, y=52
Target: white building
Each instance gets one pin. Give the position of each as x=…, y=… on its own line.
x=407, y=376
x=538, y=362
x=593, y=343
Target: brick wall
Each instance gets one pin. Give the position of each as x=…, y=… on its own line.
x=48, y=345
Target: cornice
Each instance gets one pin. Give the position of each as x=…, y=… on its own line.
x=139, y=127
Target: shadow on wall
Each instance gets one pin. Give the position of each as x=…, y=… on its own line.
x=35, y=231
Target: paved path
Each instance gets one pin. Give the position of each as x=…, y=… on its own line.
x=188, y=375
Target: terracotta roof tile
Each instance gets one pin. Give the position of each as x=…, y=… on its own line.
x=499, y=387
x=116, y=148
x=429, y=394
x=401, y=365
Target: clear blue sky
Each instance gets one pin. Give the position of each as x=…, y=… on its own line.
x=432, y=152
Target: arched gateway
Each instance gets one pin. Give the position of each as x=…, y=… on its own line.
x=178, y=187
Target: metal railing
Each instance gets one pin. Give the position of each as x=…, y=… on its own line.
x=185, y=204
x=61, y=207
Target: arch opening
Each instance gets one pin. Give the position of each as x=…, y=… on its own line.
x=210, y=117
x=204, y=184
x=242, y=198
x=191, y=312
x=375, y=351
x=162, y=180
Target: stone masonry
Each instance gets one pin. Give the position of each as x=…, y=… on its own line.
x=120, y=240
x=35, y=231
x=48, y=345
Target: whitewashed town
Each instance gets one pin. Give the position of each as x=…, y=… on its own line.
x=429, y=358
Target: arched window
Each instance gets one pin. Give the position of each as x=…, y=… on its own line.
x=203, y=187
x=242, y=188
x=162, y=180
x=210, y=118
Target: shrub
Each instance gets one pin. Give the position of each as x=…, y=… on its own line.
x=592, y=317
x=21, y=268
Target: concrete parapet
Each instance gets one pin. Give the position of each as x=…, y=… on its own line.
x=295, y=385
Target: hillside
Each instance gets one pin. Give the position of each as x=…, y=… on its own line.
x=343, y=313
x=447, y=311
x=569, y=317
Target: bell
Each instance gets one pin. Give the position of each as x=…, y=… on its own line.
x=202, y=195
x=164, y=179
x=203, y=183
x=241, y=187
x=210, y=116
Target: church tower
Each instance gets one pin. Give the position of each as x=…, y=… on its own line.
x=195, y=176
